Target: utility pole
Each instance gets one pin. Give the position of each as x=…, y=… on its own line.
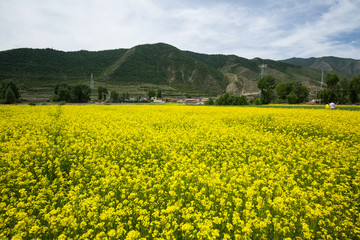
x=262, y=69
x=262, y=73
x=92, y=82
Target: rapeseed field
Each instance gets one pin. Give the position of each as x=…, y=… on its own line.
x=178, y=172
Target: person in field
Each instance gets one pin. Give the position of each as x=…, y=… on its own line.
x=332, y=105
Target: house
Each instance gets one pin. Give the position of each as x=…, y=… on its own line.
x=192, y=101
x=157, y=100
x=204, y=100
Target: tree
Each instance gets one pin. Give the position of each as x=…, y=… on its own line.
x=10, y=96
x=102, y=92
x=256, y=101
x=237, y=100
x=355, y=89
x=343, y=93
x=151, y=93
x=138, y=98
x=62, y=92
x=159, y=94
x=331, y=80
x=243, y=100
x=81, y=93
x=114, y=96
x=327, y=95
x=125, y=96
x=292, y=98
x=227, y=99
x=223, y=99
x=267, y=85
x=9, y=84
x=283, y=89
x=299, y=92
x=338, y=91
x=210, y=101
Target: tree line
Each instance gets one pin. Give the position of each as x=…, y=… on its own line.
x=336, y=89
x=116, y=97
x=292, y=92
x=340, y=90
x=79, y=93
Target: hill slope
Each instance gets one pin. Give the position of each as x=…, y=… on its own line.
x=37, y=71
x=162, y=64
x=144, y=67
x=335, y=64
x=244, y=73
x=52, y=64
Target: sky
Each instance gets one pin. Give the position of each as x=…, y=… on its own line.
x=270, y=29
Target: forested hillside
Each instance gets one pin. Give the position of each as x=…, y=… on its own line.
x=163, y=64
x=37, y=71
x=50, y=64
x=145, y=67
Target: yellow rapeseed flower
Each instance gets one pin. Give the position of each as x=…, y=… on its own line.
x=178, y=172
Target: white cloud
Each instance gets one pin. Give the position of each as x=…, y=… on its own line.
x=317, y=38
x=268, y=29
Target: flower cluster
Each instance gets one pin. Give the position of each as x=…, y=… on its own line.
x=178, y=172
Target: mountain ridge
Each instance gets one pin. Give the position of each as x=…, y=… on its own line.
x=148, y=66
x=328, y=63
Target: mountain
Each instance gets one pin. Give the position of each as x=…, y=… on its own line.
x=49, y=64
x=162, y=64
x=243, y=73
x=135, y=70
x=37, y=71
x=344, y=65
x=144, y=67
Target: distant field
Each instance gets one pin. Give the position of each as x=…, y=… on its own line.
x=307, y=106
x=178, y=172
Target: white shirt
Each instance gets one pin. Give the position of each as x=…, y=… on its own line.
x=332, y=105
